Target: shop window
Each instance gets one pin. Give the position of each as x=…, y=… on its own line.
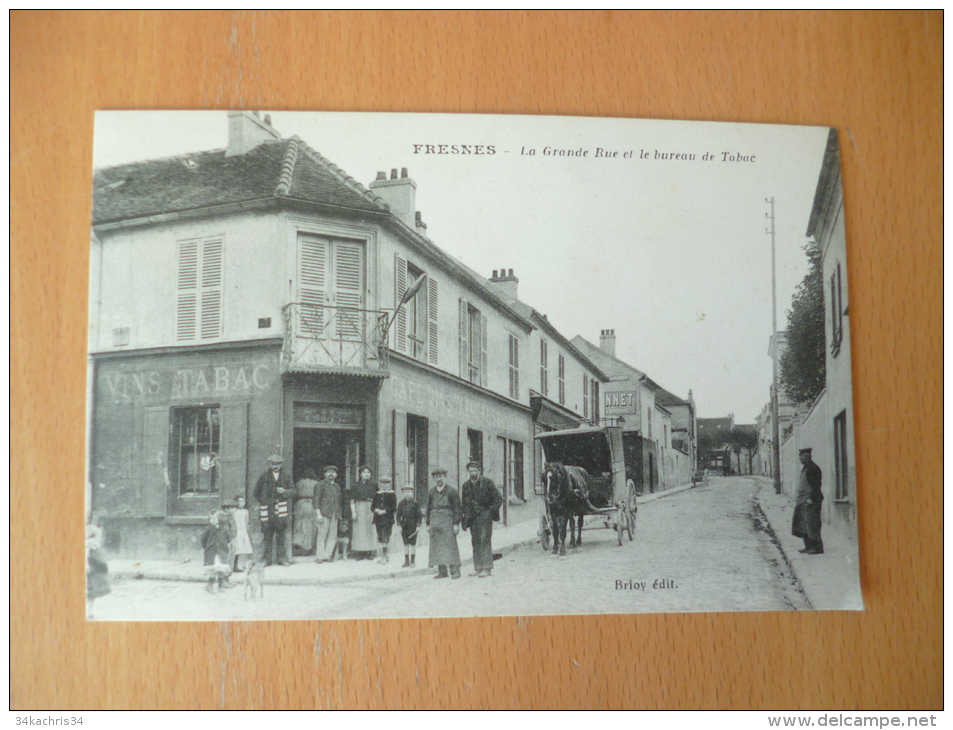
x=543, y=367
x=562, y=380
x=514, y=367
x=196, y=444
x=473, y=338
x=840, y=457
x=198, y=313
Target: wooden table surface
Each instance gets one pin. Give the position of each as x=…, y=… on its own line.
x=875, y=75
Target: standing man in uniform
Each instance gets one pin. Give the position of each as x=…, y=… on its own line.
x=327, y=508
x=481, y=508
x=443, y=518
x=807, y=506
x=275, y=493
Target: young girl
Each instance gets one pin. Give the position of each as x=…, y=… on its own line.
x=243, y=546
x=383, y=506
x=215, y=541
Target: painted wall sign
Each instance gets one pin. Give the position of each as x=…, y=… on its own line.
x=157, y=385
x=620, y=403
x=316, y=414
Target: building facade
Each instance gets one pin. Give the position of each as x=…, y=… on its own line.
x=632, y=399
x=255, y=300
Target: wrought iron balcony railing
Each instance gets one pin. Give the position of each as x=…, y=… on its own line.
x=323, y=338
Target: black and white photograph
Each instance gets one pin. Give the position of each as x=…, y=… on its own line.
x=367, y=365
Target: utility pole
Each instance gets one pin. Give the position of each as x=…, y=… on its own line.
x=775, y=437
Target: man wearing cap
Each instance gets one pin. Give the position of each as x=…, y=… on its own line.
x=327, y=508
x=443, y=518
x=807, y=506
x=481, y=507
x=275, y=493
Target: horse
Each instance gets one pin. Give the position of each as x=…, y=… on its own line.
x=566, y=492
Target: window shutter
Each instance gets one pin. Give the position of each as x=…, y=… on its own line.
x=400, y=287
x=484, y=379
x=514, y=364
x=232, y=461
x=155, y=460
x=432, y=319
x=212, y=268
x=312, y=282
x=464, y=340
x=186, y=314
x=348, y=287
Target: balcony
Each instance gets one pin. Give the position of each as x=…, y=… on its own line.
x=337, y=340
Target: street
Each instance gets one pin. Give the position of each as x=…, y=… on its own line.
x=704, y=549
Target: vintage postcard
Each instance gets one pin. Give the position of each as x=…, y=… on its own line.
x=406, y=366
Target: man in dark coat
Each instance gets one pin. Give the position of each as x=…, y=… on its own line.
x=481, y=508
x=807, y=506
x=443, y=518
x=275, y=493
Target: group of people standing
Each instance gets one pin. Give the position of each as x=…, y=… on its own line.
x=329, y=521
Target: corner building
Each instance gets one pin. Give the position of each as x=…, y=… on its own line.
x=257, y=299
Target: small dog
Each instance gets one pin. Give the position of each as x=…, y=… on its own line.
x=255, y=580
x=341, y=548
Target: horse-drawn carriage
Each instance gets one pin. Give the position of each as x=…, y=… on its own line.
x=585, y=475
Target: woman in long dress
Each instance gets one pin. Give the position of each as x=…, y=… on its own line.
x=363, y=534
x=305, y=531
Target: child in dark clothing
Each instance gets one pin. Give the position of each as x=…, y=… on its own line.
x=216, y=539
x=409, y=517
x=383, y=507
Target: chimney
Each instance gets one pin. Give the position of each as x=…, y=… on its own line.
x=246, y=131
x=419, y=224
x=400, y=194
x=504, y=283
x=607, y=342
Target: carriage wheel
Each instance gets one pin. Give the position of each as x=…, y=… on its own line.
x=633, y=513
x=544, y=532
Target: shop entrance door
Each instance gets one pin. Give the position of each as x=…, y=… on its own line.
x=321, y=447
x=418, y=457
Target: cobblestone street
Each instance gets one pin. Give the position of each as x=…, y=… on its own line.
x=705, y=549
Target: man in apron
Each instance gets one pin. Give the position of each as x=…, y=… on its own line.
x=443, y=518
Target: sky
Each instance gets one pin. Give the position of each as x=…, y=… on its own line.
x=671, y=253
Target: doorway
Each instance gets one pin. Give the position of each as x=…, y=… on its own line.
x=418, y=457
x=321, y=447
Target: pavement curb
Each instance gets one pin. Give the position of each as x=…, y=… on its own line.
x=315, y=581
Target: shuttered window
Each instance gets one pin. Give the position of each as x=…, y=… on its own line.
x=473, y=339
x=514, y=367
x=330, y=286
x=199, y=289
x=416, y=322
x=312, y=267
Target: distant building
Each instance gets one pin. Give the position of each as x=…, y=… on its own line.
x=649, y=426
x=714, y=452
x=565, y=386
